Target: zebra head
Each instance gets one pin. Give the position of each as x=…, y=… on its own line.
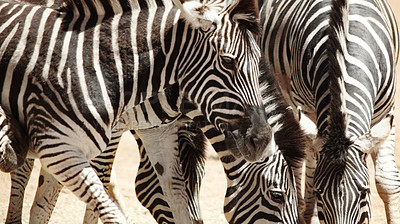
x=13, y=144
x=221, y=75
x=262, y=192
x=341, y=180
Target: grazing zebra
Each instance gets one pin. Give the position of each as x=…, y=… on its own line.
x=336, y=60
x=266, y=191
x=69, y=99
x=278, y=190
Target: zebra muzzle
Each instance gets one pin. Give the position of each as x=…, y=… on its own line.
x=251, y=137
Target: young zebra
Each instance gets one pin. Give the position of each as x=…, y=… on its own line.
x=69, y=98
x=267, y=191
x=336, y=60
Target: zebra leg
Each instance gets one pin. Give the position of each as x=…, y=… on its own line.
x=45, y=199
x=162, y=147
x=310, y=210
x=103, y=164
x=19, y=180
x=79, y=177
x=387, y=177
x=310, y=130
x=148, y=189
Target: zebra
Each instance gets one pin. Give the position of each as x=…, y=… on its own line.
x=336, y=60
x=266, y=191
x=279, y=190
x=49, y=188
x=69, y=116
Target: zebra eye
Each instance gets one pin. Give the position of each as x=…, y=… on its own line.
x=277, y=196
x=365, y=191
x=228, y=62
x=317, y=192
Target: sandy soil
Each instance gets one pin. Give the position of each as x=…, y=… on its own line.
x=70, y=210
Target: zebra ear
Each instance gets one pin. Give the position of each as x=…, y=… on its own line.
x=199, y=15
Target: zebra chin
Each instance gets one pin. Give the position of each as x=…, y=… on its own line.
x=251, y=137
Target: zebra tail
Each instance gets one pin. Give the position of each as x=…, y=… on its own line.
x=336, y=145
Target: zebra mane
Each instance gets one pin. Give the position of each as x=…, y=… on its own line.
x=246, y=14
x=205, y=14
x=290, y=138
x=337, y=143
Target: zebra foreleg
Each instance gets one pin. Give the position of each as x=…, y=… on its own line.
x=103, y=165
x=310, y=211
x=162, y=148
x=19, y=180
x=148, y=189
x=45, y=199
x=387, y=177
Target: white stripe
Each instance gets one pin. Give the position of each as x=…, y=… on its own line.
x=162, y=40
x=118, y=63
x=81, y=72
x=3, y=6
x=33, y=60
x=11, y=19
x=135, y=15
x=65, y=50
x=12, y=9
x=53, y=39
x=151, y=14
x=7, y=40
x=19, y=50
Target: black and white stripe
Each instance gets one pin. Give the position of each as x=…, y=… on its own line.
x=70, y=76
x=266, y=191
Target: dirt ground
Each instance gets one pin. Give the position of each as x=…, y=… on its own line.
x=70, y=210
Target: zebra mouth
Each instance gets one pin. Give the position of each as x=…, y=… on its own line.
x=252, y=137
x=252, y=148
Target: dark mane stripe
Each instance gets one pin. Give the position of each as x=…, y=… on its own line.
x=246, y=14
x=335, y=148
x=290, y=137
